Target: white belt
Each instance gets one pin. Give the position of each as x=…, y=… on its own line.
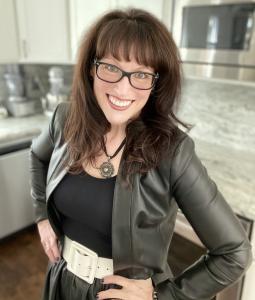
x=85, y=263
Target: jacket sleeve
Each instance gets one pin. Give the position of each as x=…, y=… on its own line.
x=228, y=248
x=40, y=154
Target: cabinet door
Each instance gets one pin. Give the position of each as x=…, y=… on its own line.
x=82, y=15
x=16, y=206
x=44, y=31
x=154, y=7
x=9, y=52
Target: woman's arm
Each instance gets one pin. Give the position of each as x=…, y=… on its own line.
x=40, y=154
x=229, y=250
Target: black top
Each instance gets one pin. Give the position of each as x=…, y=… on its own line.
x=85, y=205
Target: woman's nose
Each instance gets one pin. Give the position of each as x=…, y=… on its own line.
x=123, y=85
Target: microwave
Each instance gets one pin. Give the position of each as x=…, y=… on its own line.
x=216, y=38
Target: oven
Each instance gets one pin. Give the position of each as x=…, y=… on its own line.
x=216, y=38
x=186, y=248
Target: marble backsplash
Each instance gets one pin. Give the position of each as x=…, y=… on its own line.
x=222, y=112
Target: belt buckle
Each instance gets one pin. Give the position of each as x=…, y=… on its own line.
x=82, y=250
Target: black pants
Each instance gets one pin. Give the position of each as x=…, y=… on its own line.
x=61, y=284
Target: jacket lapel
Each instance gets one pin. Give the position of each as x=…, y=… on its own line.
x=56, y=170
x=121, y=218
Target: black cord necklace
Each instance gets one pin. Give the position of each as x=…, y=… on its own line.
x=106, y=168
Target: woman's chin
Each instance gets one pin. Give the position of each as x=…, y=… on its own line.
x=115, y=123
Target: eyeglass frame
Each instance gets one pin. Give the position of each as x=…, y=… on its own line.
x=124, y=73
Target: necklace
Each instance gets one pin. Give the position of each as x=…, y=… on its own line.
x=106, y=169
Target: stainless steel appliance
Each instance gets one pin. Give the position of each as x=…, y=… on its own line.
x=216, y=38
x=58, y=90
x=23, y=108
x=16, y=207
x=186, y=247
x=18, y=102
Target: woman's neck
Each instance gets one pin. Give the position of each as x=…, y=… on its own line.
x=116, y=133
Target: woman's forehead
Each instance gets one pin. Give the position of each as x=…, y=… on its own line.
x=121, y=56
x=129, y=52
x=131, y=64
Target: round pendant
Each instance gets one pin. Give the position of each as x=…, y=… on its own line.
x=106, y=169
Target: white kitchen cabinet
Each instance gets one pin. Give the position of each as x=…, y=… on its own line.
x=82, y=15
x=154, y=7
x=162, y=9
x=44, y=31
x=9, y=52
x=16, y=205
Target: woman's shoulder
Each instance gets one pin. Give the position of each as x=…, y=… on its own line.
x=58, y=119
x=183, y=143
x=61, y=111
x=184, y=155
x=180, y=150
x=60, y=114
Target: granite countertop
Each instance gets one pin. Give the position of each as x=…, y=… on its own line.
x=18, y=128
x=232, y=170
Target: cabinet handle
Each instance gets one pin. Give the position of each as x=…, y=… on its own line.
x=24, y=46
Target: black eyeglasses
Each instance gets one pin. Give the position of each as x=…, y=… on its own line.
x=111, y=73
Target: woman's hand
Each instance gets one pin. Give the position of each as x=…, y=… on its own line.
x=49, y=240
x=132, y=289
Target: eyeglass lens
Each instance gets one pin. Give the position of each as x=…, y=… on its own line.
x=113, y=74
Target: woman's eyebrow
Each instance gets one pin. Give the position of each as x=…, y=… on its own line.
x=143, y=69
x=113, y=61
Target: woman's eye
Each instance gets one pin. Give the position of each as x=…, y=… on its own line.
x=111, y=68
x=141, y=75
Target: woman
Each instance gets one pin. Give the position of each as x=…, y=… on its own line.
x=113, y=168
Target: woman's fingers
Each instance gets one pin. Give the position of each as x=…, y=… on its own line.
x=55, y=250
x=49, y=240
x=115, y=294
x=50, y=255
x=51, y=249
x=117, y=279
x=132, y=289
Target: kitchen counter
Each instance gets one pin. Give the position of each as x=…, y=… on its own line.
x=18, y=128
x=233, y=170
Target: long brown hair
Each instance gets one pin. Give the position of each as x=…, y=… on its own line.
x=151, y=135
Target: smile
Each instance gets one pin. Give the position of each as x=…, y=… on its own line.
x=117, y=103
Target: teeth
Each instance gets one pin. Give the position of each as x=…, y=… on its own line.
x=117, y=102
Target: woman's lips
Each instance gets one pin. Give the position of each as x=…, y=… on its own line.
x=117, y=107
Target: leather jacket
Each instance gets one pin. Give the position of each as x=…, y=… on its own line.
x=143, y=219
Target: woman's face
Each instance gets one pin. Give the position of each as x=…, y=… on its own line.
x=119, y=101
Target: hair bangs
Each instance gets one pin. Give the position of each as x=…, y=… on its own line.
x=126, y=40
x=126, y=35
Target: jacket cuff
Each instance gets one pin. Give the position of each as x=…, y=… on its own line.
x=40, y=212
x=166, y=291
